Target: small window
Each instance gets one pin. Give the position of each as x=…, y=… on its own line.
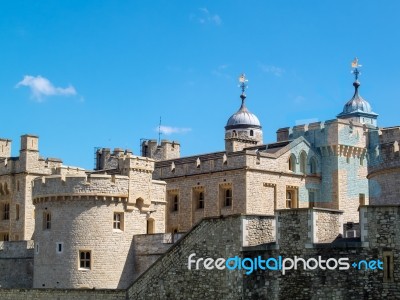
x=228, y=197
x=361, y=161
x=17, y=212
x=6, y=214
x=59, y=247
x=289, y=199
x=37, y=248
x=46, y=220
x=348, y=159
x=200, y=201
x=118, y=221
x=85, y=260
x=388, y=266
x=175, y=203
x=251, y=133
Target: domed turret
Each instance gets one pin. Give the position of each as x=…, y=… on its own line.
x=357, y=108
x=243, y=128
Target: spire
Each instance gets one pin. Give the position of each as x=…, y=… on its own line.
x=357, y=108
x=243, y=86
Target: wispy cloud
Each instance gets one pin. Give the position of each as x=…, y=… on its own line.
x=41, y=87
x=204, y=16
x=167, y=130
x=277, y=71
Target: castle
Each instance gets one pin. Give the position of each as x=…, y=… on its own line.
x=322, y=188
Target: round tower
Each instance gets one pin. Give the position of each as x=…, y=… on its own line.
x=243, y=128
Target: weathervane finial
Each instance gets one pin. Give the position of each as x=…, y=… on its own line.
x=243, y=83
x=355, y=65
x=243, y=86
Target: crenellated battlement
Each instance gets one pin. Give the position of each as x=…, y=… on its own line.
x=384, y=149
x=136, y=163
x=58, y=187
x=331, y=132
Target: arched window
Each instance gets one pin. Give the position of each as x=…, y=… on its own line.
x=251, y=132
x=313, y=165
x=303, y=161
x=292, y=163
x=234, y=134
x=289, y=199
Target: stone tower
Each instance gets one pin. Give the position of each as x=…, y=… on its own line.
x=243, y=128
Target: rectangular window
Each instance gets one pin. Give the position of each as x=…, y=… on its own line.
x=175, y=203
x=228, y=197
x=85, y=260
x=6, y=215
x=17, y=212
x=200, y=201
x=46, y=220
x=291, y=197
x=59, y=247
x=118, y=221
x=388, y=266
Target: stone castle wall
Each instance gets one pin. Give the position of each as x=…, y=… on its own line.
x=16, y=264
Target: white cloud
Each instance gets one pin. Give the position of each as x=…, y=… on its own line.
x=41, y=86
x=277, y=71
x=167, y=130
x=205, y=17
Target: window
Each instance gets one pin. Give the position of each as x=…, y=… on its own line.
x=251, y=133
x=17, y=212
x=361, y=161
x=361, y=198
x=200, y=200
x=388, y=266
x=46, y=220
x=6, y=214
x=292, y=163
x=228, y=197
x=303, y=160
x=175, y=203
x=84, y=260
x=313, y=165
x=289, y=199
x=118, y=221
x=348, y=159
x=59, y=247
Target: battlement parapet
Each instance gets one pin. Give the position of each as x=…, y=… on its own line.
x=384, y=149
x=99, y=186
x=136, y=163
x=328, y=133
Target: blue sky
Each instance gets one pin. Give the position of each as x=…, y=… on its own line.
x=109, y=69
